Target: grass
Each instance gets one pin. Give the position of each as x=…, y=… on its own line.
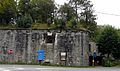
x=53, y=26
x=43, y=26
x=7, y=26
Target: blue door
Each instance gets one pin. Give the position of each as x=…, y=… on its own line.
x=40, y=55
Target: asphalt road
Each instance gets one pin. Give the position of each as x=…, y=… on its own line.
x=46, y=68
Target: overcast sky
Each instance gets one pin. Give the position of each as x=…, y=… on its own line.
x=108, y=11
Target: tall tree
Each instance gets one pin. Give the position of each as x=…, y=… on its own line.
x=42, y=10
x=84, y=10
x=107, y=41
x=116, y=53
x=88, y=14
x=67, y=11
x=24, y=7
x=7, y=10
x=88, y=18
x=76, y=4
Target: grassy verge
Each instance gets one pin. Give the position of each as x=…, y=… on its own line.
x=40, y=26
x=7, y=26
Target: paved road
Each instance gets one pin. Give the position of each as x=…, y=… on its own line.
x=43, y=68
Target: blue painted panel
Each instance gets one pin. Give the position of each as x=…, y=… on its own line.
x=40, y=54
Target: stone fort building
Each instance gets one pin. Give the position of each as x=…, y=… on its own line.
x=68, y=47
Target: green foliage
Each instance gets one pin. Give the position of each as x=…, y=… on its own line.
x=73, y=24
x=7, y=10
x=41, y=10
x=76, y=5
x=69, y=24
x=49, y=22
x=116, y=53
x=107, y=62
x=86, y=16
x=24, y=21
x=7, y=26
x=42, y=26
x=24, y=7
x=67, y=11
x=60, y=24
x=116, y=63
x=27, y=12
x=107, y=41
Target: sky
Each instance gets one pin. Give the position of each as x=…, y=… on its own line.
x=107, y=11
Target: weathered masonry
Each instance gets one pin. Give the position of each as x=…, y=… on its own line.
x=61, y=47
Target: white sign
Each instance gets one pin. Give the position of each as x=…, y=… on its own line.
x=63, y=54
x=49, y=34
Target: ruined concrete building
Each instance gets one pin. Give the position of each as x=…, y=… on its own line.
x=66, y=47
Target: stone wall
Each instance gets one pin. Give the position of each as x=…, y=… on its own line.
x=76, y=46
x=25, y=43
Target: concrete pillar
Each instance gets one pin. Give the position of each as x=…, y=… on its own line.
x=29, y=47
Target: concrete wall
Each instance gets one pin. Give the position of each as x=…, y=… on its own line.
x=25, y=44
